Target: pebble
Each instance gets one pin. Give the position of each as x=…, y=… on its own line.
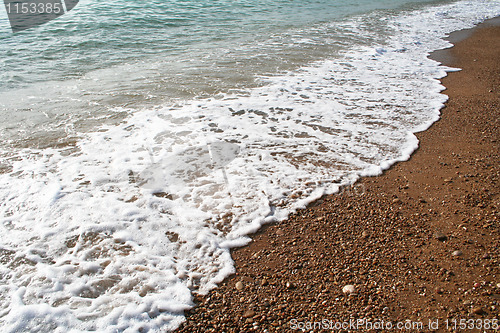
x=249, y=314
x=457, y=253
x=440, y=236
x=365, y=234
x=349, y=289
x=239, y=286
x=478, y=311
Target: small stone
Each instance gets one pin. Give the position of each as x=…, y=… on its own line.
x=349, y=289
x=249, y=314
x=239, y=286
x=396, y=201
x=163, y=195
x=457, y=253
x=439, y=290
x=448, y=180
x=478, y=311
x=133, y=199
x=440, y=236
x=498, y=285
x=289, y=285
x=365, y=234
x=263, y=282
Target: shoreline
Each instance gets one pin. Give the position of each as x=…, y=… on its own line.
x=420, y=242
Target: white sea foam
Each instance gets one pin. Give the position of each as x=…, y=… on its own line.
x=117, y=235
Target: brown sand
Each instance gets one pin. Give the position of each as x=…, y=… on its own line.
x=419, y=243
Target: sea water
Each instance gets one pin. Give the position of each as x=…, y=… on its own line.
x=141, y=140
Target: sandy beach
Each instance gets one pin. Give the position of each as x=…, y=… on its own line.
x=419, y=245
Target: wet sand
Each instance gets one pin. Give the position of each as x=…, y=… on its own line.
x=420, y=244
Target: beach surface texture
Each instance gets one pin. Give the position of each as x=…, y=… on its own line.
x=416, y=249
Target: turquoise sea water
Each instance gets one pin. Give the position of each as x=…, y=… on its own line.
x=106, y=55
x=98, y=34
x=141, y=140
